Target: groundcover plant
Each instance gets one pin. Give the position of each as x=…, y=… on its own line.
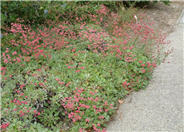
x=70, y=76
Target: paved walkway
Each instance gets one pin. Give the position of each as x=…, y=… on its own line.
x=159, y=107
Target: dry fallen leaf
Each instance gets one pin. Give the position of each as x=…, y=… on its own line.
x=120, y=101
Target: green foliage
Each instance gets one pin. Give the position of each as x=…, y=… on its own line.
x=69, y=76
x=99, y=76
x=140, y=3
x=28, y=11
x=38, y=12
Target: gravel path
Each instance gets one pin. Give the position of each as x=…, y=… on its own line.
x=159, y=107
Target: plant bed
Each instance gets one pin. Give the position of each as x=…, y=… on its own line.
x=69, y=77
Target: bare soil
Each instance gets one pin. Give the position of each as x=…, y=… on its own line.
x=165, y=16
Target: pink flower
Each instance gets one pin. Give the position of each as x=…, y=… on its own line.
x=69, y=67
x=57, y=79
x=77, y=71
x=104, y=130
x=22, y=85
x=68, y=84
x=101, y=19
x=148, y=64
x=143, y=70
x=154, y=65
x=73, y=120
x=106, y=110
x=125, y=42
x=18, y=91
x=87, y=106
x=91, y=93
x=41, y=51
x=61, y=83
x=18, y=60
x=80, y=130
x=21, y=94
x=101, y=117
x=7, y=50
x=81, y=67
x=94, y=127
x=124, y=83
x=14, y=53
x=3, y=68
x=41, y=84
x=4, y=125
x=77, y=111
x=87, y=120
x=22, y=114
x=96, y=99
x=94, y=106
x=140, y=61
x=5, y=61
x=73, y=50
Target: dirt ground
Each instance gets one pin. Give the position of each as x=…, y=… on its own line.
x=165, y=16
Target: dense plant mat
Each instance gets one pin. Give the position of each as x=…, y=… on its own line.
x=69, y=77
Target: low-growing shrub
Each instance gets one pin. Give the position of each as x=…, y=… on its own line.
x=140, y=3
x=39, y=12
x=69, y=77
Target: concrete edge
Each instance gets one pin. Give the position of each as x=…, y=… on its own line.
x=180, y=17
